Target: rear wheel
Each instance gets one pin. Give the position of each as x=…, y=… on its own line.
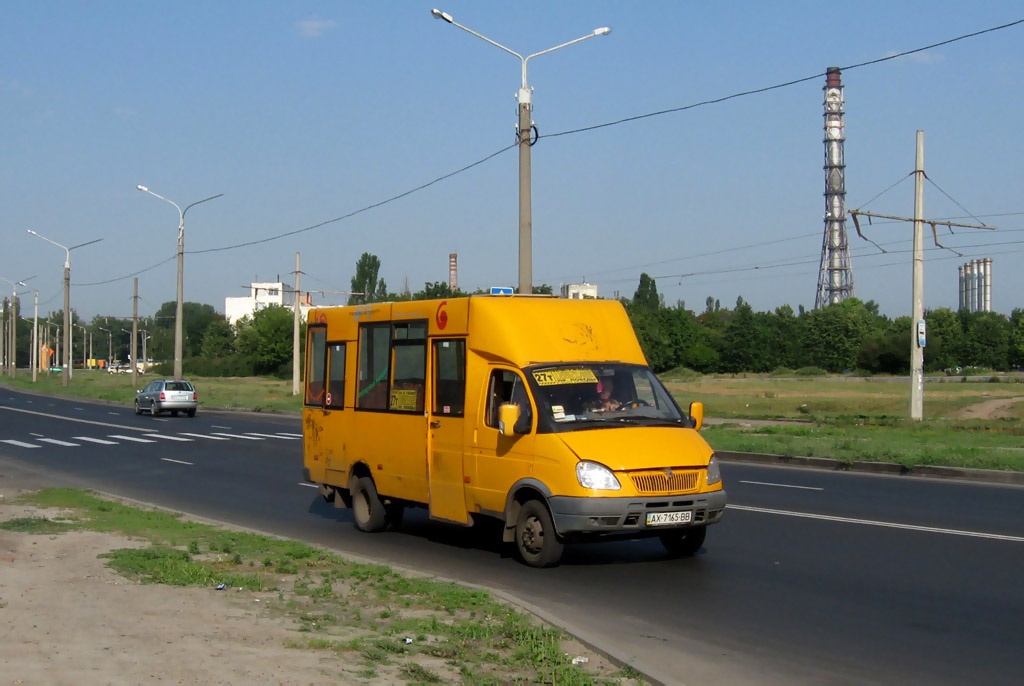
x=154, y=409
x=536, y=541
x=685, y=542
x=174, y=413
x=368, y=511
x=191, y=413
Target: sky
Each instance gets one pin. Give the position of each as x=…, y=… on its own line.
x=327, y=114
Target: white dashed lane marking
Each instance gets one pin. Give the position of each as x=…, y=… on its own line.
x=212, y=438
x=250, y=438
x=57, y=442
x=167, y=459
x=132, y=438
x=20, y=444
x=281, y=438
x=90, y=439
x=168, y=438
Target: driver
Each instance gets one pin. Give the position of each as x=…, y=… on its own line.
x=604, y=400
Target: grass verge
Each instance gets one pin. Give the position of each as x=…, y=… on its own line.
x=379, y=623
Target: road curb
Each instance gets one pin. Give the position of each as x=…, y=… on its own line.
x=890, y=468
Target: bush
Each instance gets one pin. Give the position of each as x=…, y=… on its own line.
x=782, y=371
x=811, y=371
x=236, y=365
x=682, y=374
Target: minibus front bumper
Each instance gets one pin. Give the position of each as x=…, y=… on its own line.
x=634, y=516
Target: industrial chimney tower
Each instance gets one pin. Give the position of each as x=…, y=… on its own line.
x=976, y=285
x=453, y=271
x=835, y=275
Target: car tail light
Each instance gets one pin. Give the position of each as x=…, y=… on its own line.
x=195, y=396
x=163, y=396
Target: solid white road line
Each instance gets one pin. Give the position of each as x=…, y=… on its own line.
x=57, y=442
x=870, y=522
x=132, y=438
x=168, y=438
x=251, y=438
x=94, y=440
x=282, y=438
x=766, y=483
x=73, y=419
x=167, y=459
x=212, y=438
x=20, y=444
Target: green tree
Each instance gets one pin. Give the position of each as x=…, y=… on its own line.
x=195, y=320
x=834, y=335
x=646, y=296
x=266, y=339
x=367, y=287
x=945, y=340
x=219, y=339
x=745, y=342
x=1016, y=343
x=986, y=339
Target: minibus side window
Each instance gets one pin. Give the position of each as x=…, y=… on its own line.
x=374, y=358
x=407, y=387
x=336, y=382
x=506, y=386
x=315, y=367
x=450, y=377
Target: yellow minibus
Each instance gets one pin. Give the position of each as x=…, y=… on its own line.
x=539, y=412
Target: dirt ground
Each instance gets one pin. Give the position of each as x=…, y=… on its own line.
x=65, y=618
x=997, y=408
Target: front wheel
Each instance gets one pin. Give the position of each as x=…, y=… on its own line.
x=536, y=541
x=138, y=410
x=685, y=542
x=368, y=511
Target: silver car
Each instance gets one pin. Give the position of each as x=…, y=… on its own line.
x=167, y=395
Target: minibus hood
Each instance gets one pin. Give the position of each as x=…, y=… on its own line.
x=640, y=447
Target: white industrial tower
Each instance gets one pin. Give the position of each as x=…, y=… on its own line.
x=835, y=275
x=976, y=285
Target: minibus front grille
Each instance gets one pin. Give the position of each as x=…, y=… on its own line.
x=666, y=481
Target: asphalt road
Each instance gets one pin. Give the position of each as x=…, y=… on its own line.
x=812, y=577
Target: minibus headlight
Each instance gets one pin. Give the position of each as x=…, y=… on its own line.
x=597, y=476
x=714, y=475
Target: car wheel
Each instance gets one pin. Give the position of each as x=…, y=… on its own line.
x=138, y=410
x=191, y=413
x=685, y=542
x=174, y=413
x=154, y=409
x=367, y=510
x=536, y=541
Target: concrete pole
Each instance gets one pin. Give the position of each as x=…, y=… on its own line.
x=35, y=336
x=66, y=377
x=917, y=317
x=135, y=335
x=525, y=193
x=295, y=332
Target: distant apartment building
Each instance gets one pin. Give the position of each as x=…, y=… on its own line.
x=579, y=291
x=265, y=294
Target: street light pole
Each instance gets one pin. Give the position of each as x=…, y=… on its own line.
x=12, y=333
x=181, y=273
x=525, y=142
x=35, y=329
x=110, y=345
x=66, y=377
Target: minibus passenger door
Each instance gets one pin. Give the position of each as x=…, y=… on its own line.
x=446, y=432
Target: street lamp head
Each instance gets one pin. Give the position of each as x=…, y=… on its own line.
x=438, y=14
x=32, y=232
x=603, y=31
x=142, y=188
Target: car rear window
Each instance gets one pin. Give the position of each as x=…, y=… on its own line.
x=177, y=386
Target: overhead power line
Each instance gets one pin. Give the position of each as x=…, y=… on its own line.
x=703, y=103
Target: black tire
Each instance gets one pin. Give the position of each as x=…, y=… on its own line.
x=174, y=413
x=395, y=515
x=138, y=410
x=536, y=541
x=684, y=542
x=191, y=413
x=154, y=409
x=368, y=511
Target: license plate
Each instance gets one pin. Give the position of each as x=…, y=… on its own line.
x=663, y=518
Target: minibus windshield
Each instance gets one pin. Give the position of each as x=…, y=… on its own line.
x=584, y=394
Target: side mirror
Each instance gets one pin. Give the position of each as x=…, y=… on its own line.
x=508, y=415
x=697, y=415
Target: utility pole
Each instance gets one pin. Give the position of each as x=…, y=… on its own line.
x=917, y=333
x=917, y=336
x=295, y=332
x=135, y=334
